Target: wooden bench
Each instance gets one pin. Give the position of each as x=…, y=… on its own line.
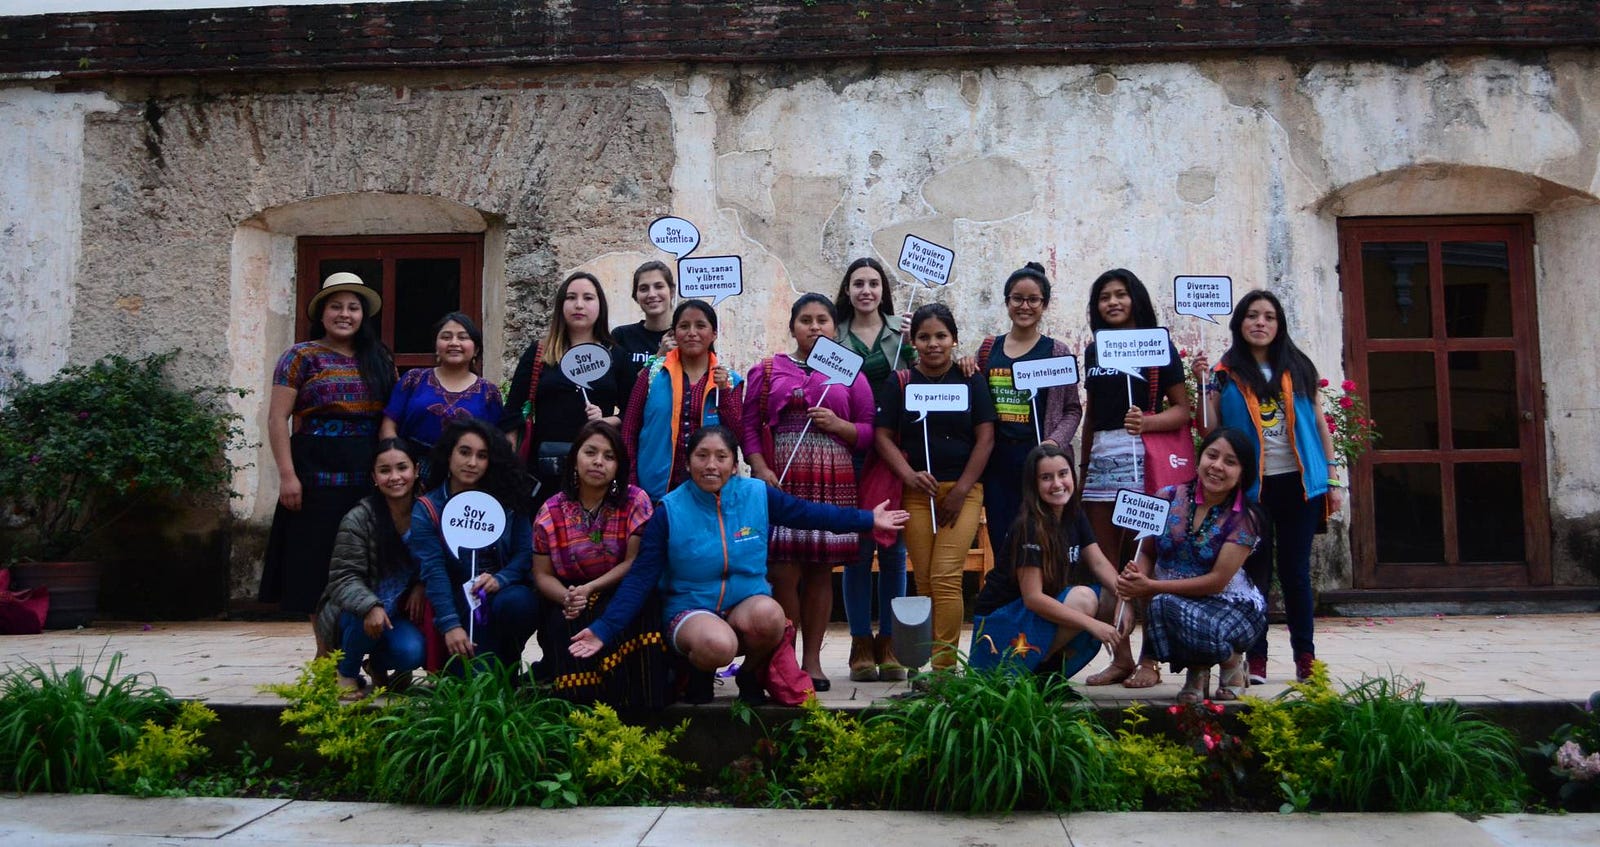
x=980, y=559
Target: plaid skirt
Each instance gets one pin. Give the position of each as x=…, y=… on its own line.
x=822, y=472
x=1201, y=631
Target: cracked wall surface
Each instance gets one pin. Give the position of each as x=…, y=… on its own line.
x=1237, y=166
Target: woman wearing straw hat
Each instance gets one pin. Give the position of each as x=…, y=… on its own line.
x=327, y=400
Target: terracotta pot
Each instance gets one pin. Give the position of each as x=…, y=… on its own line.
x=74, y=590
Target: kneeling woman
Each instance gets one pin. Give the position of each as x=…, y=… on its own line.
x=1041, y=606
x=1203, y=609
x=706, y=547
x=370, y=576
x=473, y=456
x=585, y=539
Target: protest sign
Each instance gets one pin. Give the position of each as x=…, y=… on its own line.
x=674, y=235
x=1038, y=374
x=926, y=261
x=1145, y=514
x=714, y=278
x=1202, y=296
x=584, y=364
x=839, y=365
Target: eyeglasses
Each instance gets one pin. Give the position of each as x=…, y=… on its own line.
x=1019, y=300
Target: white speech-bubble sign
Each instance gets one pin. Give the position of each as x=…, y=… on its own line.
x=1202, y=296
x=1145, y=514
x=471, y=520
x=674, y=235
x=1036, y=375
x=835, y=361
x=1132, y=350
x=586, y=363
x=925, y=398
x=714, y=278
x=926, y=260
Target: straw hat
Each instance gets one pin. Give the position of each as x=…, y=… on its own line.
x=345, y=281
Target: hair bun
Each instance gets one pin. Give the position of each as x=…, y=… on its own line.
x=1034, y=266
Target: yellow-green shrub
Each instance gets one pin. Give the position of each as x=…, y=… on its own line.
x=621, y=764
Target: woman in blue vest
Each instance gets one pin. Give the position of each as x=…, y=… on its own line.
x=676, y=395
x=706, y=549
x=1267, y=389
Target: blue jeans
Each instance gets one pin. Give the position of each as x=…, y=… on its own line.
x=1291, y=524
x=398, y=650
x=857, y=584
x=513, y=617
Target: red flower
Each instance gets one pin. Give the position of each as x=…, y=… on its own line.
x=1173, y=710
x=1333, y=428
x=1215, y=707
x=1346, y=402
x=1348, y=385
x=1322, y=383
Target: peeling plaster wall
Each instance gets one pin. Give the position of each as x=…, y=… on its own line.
x=1237, y=166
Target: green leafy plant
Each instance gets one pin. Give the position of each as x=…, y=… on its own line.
x=1286, y=733
x=59, y=730
x=78, y=450
x=250, y=776
x=993, y=741
x=1152, y=771
x=1345, y=415
x=1572, y=754
x=850, y=762
x=620, y=764
x=478, y=740
x=343, y=733
x=764, y=776
x=162, y=753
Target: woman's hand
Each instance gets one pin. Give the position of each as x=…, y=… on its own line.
x=1106, y=633
x=1335, y=498
x=766, y=475
x=968, y=366
x=289, y=492
x=1133, y=584
x=576, y=600
x=824, y=420
x=719, y=377
x=413, y=603
x=669, y=343
x=899, y=323
x=949, y=508
x=458, y=644
x=593, y=412
x=1201, y=369
x=924, y=482
x=486, y=583
x=585, y=644
x=889, y=520
x=376, y=621
x=1133, y=421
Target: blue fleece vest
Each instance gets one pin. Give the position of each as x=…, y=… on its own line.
x=658, y=433
x=717, y=549
x=1307, y=439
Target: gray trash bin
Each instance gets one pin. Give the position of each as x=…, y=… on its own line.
x=913, y=630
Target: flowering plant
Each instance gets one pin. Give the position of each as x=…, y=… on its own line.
x=1223, y=753
x=1345, y=415
x=82, y=448
x=1573, y=751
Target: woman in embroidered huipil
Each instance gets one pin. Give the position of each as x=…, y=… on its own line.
x=585, y=539
x=1203, y=609
x=326, y=402
x=426, y=399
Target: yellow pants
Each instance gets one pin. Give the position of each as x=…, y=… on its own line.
x=939, y=560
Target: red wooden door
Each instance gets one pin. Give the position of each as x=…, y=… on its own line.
x=1441, y=335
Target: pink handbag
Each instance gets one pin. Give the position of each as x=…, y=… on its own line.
x=1168, y=456
x=785, y=682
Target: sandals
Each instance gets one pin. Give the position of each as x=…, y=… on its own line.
x=1194, y=686
x=1146, y=675
x=352, y=688
x=1114, y=673
x=1232, y=679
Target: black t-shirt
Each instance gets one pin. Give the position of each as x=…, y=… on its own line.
x=1013, y=411
x=638, y=343
x=559, y=403
x=1001, y=587
x=1108, y=389
x=950, y=434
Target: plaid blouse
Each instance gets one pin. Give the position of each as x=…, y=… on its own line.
x=580, y=550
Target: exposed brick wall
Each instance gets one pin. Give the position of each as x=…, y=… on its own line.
x=475, y=33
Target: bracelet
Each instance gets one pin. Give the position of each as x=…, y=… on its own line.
x=1334, y=483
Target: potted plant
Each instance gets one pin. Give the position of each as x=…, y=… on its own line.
x=81, y=449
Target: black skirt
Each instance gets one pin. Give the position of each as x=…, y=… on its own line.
x=301, y=543
x=630, y=674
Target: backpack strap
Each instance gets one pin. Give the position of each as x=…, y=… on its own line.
x=1154, y=377
x=984, y=350
x=433, y=511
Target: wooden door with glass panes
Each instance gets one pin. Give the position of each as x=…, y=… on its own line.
x=421, y=278
x=1441, y=336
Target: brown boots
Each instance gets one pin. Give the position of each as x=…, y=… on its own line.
x=889, y=668
x=863, y=661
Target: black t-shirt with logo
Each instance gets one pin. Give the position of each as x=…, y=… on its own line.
x=638, y=343
x=950, y=434
x=1108, y=389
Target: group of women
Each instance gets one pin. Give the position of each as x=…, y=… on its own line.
x=634, y=546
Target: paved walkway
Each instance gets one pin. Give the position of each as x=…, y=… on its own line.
x=55, y=819
x=1471, y=659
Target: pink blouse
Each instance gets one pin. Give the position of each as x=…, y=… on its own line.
x=854, y=403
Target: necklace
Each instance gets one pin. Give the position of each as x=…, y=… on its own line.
x=591, y=520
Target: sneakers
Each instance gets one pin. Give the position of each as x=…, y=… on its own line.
x=1258, y=669
x=1302, y=665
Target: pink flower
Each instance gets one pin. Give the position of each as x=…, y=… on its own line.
x=1570, y=759
x=1346, y=402
x=83, y=416
x=1211, y=742
x=1216, y=708
x=1322, y=383
x=35, y=459
x=1348, y=385
x=1333, y=429
x=1173, y=710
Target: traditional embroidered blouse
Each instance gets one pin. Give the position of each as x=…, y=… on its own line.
x=582, y=548
x=1181, y=554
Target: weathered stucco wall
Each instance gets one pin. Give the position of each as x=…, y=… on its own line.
x=1226, y=166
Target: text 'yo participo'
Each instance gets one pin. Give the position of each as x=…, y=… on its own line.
x=924, y=398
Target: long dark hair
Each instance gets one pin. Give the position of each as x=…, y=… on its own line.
x=1282, y=354
x=475, y=366
x=373, y=358
x=1144, y=311
x=1036, y=525
x=841, y=301
x=557, y=341
x=617, y=494
x=935, y=311
x=1249, y=469
x=393, y=555
x=505, y=480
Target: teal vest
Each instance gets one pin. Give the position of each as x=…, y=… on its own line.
x=717, y=548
